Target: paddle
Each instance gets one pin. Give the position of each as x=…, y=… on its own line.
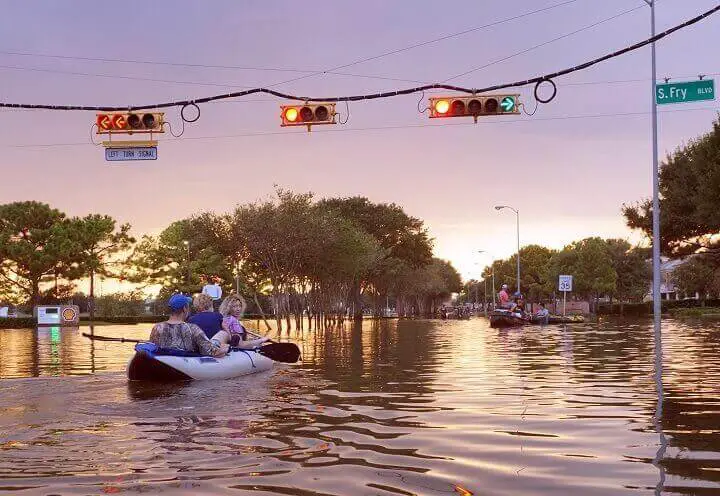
x=285, y=352
x=279, y=352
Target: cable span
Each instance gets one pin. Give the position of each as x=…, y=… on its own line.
x=375, y=96
x=390, y=128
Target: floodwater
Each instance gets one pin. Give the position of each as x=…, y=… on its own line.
x=388, y=408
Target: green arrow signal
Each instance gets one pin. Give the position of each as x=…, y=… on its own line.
x=508, y=104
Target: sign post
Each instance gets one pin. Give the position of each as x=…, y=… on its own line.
x=565, y=285
x=690, y=91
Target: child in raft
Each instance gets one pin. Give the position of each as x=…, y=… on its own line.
x=234, y=333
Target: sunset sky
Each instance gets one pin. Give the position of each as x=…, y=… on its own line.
x=568, y=168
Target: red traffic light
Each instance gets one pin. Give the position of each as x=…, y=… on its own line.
x=130, y=122
x=307, y=115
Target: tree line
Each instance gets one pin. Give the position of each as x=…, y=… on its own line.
x=600, y=268
x=325, y=259
x=689, y=213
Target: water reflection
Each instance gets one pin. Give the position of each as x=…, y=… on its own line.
x=390, y=407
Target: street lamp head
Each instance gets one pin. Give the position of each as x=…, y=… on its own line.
x=499, y=207
x=186, y=242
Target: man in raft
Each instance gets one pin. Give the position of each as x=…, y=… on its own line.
x=177, y=334
x=504, y=299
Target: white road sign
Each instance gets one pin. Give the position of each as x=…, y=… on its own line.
x=565, y=283
x=142, y=153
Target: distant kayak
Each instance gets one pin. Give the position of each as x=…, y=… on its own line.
x=157, y=365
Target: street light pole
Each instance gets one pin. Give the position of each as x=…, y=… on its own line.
x=492, y=271
x=485, y=302
x=657, y=309
x=517, y=216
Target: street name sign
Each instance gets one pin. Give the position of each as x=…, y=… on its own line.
x=565, y=283
x=131, y=153
x=691, y=91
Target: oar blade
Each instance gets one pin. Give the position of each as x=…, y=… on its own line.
x=281, y=352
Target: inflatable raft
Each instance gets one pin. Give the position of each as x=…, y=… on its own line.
x=151, y=363
x=505, y=318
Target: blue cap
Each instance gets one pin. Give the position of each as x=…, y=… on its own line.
x=179, y=301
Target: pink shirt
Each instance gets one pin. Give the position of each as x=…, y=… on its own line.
x=503, y=297
x=233, y=325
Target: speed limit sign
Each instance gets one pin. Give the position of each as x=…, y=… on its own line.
x=565, y=283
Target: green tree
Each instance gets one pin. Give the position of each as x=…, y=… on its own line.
x=35, y=246
x=403, y=237
x=699, y=274
x=535, y=283
x=634, y=273
x=689, y=189
x=177, y=259
x=590, y=264
x=121, y=304
x=97, y=241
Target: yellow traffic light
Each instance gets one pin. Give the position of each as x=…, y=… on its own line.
x=308, y=114
x=474, y=106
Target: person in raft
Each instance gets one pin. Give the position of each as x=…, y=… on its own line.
x=542, y=313
x=232, y=309
x=504, y=298
x=180, y=335
x=205, y=317
x=214, y=291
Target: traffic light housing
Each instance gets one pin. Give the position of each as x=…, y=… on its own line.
x=309, y=114
x=474, y=106
x=130, y=122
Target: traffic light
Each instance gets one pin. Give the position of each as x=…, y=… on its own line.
x=308, y=114
x=130, y=122
x=473, y=106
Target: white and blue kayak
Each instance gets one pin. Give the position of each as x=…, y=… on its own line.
x=151, y=363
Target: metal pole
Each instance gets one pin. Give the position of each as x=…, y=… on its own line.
x=657, y=306
x=517, y=214
x=485, y=301
x=657, y=309
x=493, y=277
x=656, y=185
x=564, y=300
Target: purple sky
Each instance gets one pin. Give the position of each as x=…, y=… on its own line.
x=568, y=176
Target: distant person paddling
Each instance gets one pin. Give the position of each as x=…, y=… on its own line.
x=214, y=291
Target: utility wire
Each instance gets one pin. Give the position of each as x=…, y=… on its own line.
x=387, y=94
x=113, y=76
x=566, y=35
x=302, y=71
x=425, y=43
x=311, y=73
x=389, y=128
x=308, y=73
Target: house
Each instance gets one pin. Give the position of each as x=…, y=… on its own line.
x=668, y=290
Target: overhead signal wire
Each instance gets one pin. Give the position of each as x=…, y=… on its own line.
x=391, y=127
x=386, y=94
